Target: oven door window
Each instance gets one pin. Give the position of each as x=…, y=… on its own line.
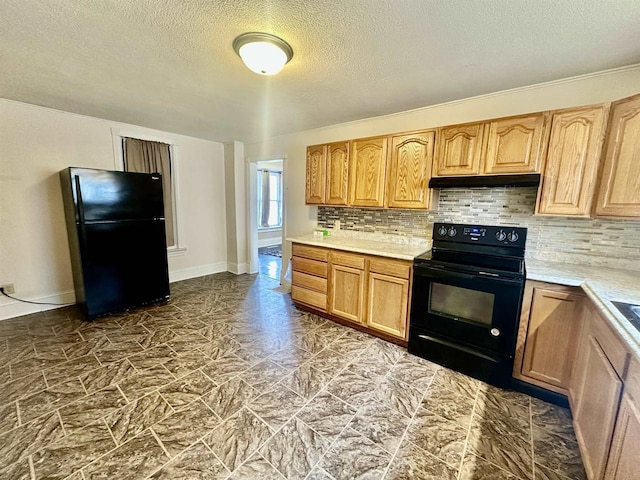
x=461, y=303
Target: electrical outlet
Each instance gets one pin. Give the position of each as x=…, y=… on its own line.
x=336, y=225
x=8, y=288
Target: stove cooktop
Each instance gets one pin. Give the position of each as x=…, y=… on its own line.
x=631, y=313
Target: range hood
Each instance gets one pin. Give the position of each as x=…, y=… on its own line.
x=528, y=180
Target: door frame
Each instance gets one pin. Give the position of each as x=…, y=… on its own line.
x=252, y=202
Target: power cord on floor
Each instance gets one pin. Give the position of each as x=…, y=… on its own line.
x=34, y=303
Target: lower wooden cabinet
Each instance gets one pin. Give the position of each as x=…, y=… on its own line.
x=623, y=459
x=309, y=276
x=598, y=389
x=372, y=292
x=595, y=390
x=346, y=293
x=549, y=328
x=388, y=304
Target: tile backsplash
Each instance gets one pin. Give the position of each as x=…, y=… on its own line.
x=606, y=242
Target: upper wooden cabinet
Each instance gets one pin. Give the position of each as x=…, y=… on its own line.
x=337, y=173
x=459, y=150
x=514, y=145
x=368, y=167
x=316, y=174
x=571, y=171
x=410, y=170
x=619, y=192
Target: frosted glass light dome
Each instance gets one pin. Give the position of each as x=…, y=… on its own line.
x=263, y=53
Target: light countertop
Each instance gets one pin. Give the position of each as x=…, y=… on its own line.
x=602, y=286
x=403, y=248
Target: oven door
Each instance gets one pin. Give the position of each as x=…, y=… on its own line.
x=476, y=309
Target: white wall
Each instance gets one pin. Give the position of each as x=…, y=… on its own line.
x=266, y=238
x=236, y=221
x=35, y=144
x=584, y=90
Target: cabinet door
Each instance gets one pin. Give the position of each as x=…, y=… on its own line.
x=346, y=293
x=595, y=406
x=316, y=174
x=388, y=299
x=514, y=145
x=337, y=173
x=619, y=192
x=554, y=326
x=459, y=149
x=368, y=172
x=571, y=170
x=410, y=170
x=623, y=459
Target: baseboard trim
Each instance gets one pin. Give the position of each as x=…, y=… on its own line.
x=238, y=268
x=14, y=308
x=194, y=272
x=269, y=242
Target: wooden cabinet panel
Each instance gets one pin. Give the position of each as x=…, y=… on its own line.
x=316, y=174
x=459, y=150
x=554, y=326
x=571, y=170
x=623, y=458
x=410, y=167
x=346, y=295
x=395, y=268
x=388, y=304
x=597, y=398
x=312, y=267
x=310, y=282
x=619, y=192
x=307, y=251
x=515, y=145
x=309, y=297
x=367, y=176
x=347, y=259
x=337, y=173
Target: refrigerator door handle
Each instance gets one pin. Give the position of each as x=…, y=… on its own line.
x=80, y=205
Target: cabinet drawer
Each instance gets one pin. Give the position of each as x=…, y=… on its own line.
x=632, y=380
x=309, y=297
x=314, y=253
x=610, y=343
x=347, y=259
x=393, y=268
x=310, y=282
x=312, y=267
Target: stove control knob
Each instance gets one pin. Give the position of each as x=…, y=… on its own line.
x=513, y=236
x=452, y=232
x=500, y=235
x=442, y=231
x=495, y=332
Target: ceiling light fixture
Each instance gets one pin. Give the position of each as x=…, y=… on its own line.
x=263, y=53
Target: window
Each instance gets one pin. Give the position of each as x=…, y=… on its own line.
x=144, y=156
x=269, y=199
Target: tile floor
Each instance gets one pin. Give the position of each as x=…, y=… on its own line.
x=229, y=380
x=270, y=265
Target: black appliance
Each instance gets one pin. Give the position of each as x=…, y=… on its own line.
x=117, y=240
x=467, y=296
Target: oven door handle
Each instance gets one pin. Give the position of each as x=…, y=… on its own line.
x=436, y=272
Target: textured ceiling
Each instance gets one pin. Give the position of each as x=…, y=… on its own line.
x=168, y=64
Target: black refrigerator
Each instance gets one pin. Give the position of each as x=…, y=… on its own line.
x=117, y=240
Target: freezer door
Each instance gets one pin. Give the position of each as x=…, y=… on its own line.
x=102, y=195
x=125, y=265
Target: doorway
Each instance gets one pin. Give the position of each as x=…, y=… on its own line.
x=267, y=197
